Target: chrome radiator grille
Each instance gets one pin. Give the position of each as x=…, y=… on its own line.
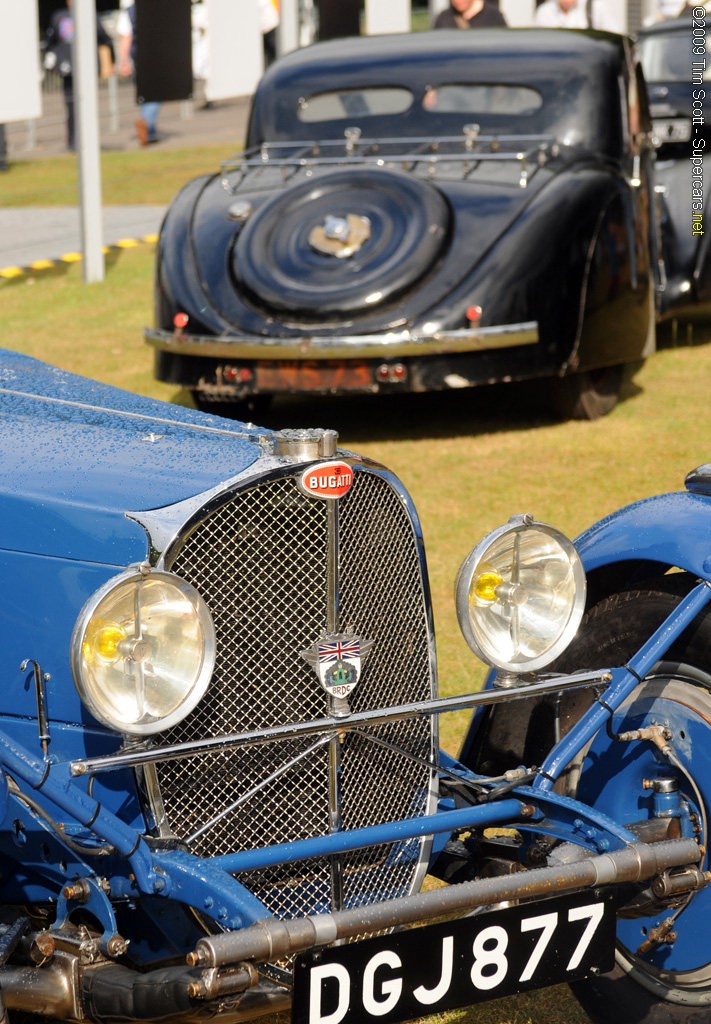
x=261, y=561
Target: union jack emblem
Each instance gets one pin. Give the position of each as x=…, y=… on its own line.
x=337, y=659
x=339, y=650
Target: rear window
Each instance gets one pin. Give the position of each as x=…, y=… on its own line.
x=344, y=104
x=475, y=100
x=470, y=100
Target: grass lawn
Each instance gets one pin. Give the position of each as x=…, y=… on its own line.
x=470, y=458
x=151, y=176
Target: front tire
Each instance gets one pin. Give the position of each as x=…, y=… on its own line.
x=670, y=984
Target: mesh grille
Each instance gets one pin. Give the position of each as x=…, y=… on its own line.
x=261, y=563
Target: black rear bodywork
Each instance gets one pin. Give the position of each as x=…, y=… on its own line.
x=678, y=84
x=499, y=186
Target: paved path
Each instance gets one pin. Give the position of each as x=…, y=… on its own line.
x=31, y=234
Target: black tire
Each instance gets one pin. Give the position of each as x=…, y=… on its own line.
x=248, y=410
x=634, y=992
x=587, y=396
x=399, y=225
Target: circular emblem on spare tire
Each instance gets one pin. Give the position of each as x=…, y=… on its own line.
x=283, y=258
x=340, y=236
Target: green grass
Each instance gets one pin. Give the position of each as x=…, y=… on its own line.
x=132, y=177
x=469, y=458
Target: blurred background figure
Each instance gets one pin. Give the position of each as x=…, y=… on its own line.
x=201, y=50
x=667, y=9
x=470, y=14
x=147, y=123
x=576, y=14
x=269, y=22
x=58, y=56
x=3, y=149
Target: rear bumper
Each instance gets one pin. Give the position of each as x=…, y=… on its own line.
x=226, y=369
x=393, y=345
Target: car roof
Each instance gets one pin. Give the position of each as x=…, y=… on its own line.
x=671, y=27
x=555, y=61
x=416, y=51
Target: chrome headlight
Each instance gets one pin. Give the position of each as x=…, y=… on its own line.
x=143, y=651
x=521, y=595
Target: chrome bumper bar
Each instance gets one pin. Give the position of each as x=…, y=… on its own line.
x=393, y=345
x=270, y=939
x=333, y=726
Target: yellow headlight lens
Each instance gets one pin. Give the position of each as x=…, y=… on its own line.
x=143, y=651
x=104, y=643
x=520, y=596
x=483, y=588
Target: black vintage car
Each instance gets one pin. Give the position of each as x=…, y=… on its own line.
x=422, y=212
x=673, y=55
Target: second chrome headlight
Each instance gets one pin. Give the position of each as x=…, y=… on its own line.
x=520, y=595
x=143, y=651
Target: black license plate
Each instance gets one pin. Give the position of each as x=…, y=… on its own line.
x=421, y=971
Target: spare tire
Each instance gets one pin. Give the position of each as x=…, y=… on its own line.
x=341, y=243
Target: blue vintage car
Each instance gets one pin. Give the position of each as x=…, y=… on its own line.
x=221, y=785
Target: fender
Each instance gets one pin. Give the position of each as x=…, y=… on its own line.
x=669, y=530
x=577, y=213
x=175, y=271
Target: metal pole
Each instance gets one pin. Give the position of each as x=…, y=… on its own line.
x=86, y=105
x=288, y=28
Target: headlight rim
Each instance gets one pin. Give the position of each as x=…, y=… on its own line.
x=132, y=574
x=463, y=584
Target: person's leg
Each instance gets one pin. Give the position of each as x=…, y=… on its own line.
x=3, y=149
x=149, y=113
x=68, y=87
x=142, y=130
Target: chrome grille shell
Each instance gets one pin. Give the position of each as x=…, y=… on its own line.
x=276, y=567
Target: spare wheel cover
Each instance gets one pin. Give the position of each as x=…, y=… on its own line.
x=341, y=243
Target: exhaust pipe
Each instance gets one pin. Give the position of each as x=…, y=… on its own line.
x=109, y=993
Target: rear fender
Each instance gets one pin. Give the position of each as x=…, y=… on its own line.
x=175, y=272
x=562, y=236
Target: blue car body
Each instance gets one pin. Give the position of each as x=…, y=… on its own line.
x=280, y=787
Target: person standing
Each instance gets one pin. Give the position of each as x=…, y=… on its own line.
x=3, y=149
x=269, y=22
x=58, y=56
x=575, y=14
x=147, y=123
x=470, y=14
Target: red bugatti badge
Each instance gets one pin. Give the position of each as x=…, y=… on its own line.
x=327, y=480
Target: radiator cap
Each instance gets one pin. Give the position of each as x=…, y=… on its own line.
x=301, y=444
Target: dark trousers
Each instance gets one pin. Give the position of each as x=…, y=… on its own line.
x=3, y=148
x=68, y=87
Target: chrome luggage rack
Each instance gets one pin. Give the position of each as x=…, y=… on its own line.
x=461, y=154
